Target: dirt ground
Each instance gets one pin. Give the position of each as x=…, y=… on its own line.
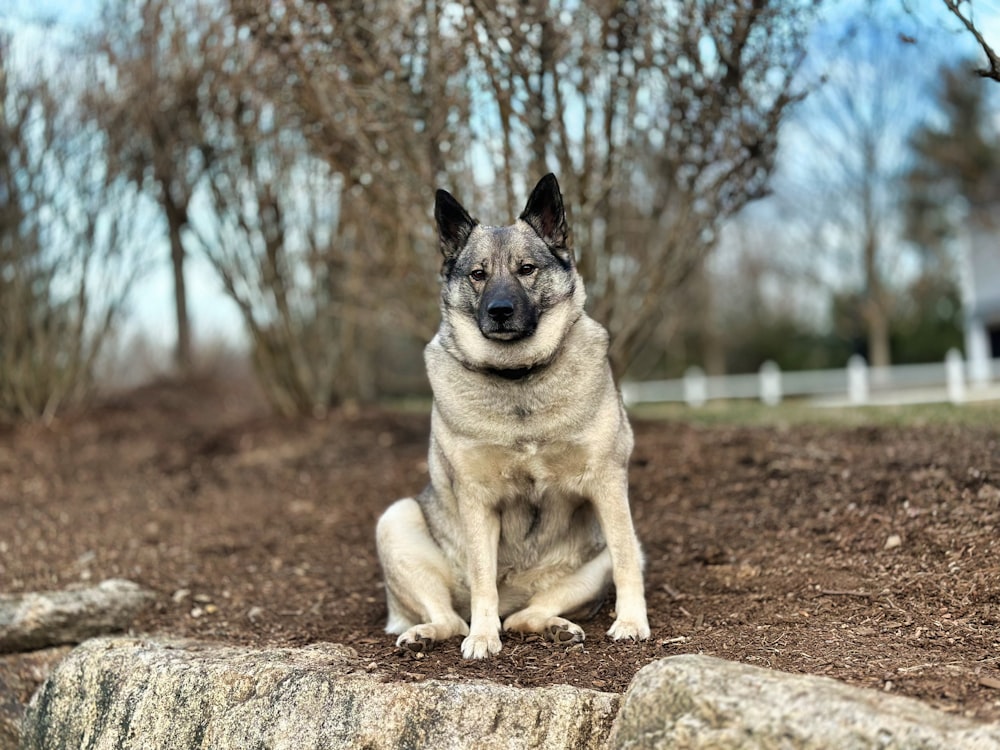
x=868, y=554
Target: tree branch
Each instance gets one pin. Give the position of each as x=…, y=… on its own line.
x=993, y=71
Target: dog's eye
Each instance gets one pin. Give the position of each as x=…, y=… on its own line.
x=478, y=275
x=526, y=269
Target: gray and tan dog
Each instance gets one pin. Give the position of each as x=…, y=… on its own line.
x=526, y=516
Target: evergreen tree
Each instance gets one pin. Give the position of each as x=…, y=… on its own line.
x=952, y=191
x=959, y=160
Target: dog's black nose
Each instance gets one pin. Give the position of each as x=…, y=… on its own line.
x=500, y=309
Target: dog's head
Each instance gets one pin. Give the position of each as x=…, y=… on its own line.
x=509, y=293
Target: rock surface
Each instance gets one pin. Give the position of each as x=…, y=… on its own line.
x=20, y=676
x=696, y=701
x=38, y=620
x=128, y=693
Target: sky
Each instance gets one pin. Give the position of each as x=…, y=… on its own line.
x=216, y=319
x=903, y=78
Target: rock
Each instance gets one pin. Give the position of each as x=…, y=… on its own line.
x=38, y=620
x=20, y=676
x=894, y=540
x=129, y=693
x=693, y=702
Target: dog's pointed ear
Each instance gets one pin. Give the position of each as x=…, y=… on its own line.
x=545, y=214
x=454, y=224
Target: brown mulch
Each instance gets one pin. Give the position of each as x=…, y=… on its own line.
x=868, y=554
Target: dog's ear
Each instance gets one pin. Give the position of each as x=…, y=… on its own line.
x=545, y=214
x=454, y=224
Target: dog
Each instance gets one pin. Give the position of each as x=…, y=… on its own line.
x=526, y=516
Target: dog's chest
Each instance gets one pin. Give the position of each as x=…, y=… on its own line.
x=549, y=525
x=526, y=466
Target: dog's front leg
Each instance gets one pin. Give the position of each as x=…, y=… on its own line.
x=481, y=526
x=611, y=503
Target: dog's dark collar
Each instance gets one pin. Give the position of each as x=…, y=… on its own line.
x=512, y=374
x=516, y=373
x=506, y=373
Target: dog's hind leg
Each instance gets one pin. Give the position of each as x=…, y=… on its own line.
x=418, y=579
x=576, y=591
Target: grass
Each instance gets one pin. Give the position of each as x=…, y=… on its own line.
x=789, y=413
x=975, y=414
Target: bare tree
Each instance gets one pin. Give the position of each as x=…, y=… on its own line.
x=155, y=63
x=270, y=232
x=380, y=89
x=843, y=200
x=66, y=228
x=376, y=91
x=224, y=133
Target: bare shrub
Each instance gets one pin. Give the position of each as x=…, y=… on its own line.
x=65, y=227
x=660, y=118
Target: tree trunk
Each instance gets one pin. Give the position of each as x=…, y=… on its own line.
x=878, y=337
x=176, y=218
x=875, y=305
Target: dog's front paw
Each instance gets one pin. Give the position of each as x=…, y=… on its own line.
x=481, y=646
x=421, y=638
x=633, y=629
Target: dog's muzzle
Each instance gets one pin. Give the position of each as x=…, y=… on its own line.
x=506, y=313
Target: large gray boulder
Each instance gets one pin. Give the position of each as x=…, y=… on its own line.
x=129, y=693
x=694, y=702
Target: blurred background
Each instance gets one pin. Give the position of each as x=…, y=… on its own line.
x=185, y=182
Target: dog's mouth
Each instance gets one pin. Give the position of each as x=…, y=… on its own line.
x=505, y=335
x=507, y=328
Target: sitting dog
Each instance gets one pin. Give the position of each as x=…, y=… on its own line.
x=526, y=516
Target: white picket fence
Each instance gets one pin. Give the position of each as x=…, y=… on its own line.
x=952, y=380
